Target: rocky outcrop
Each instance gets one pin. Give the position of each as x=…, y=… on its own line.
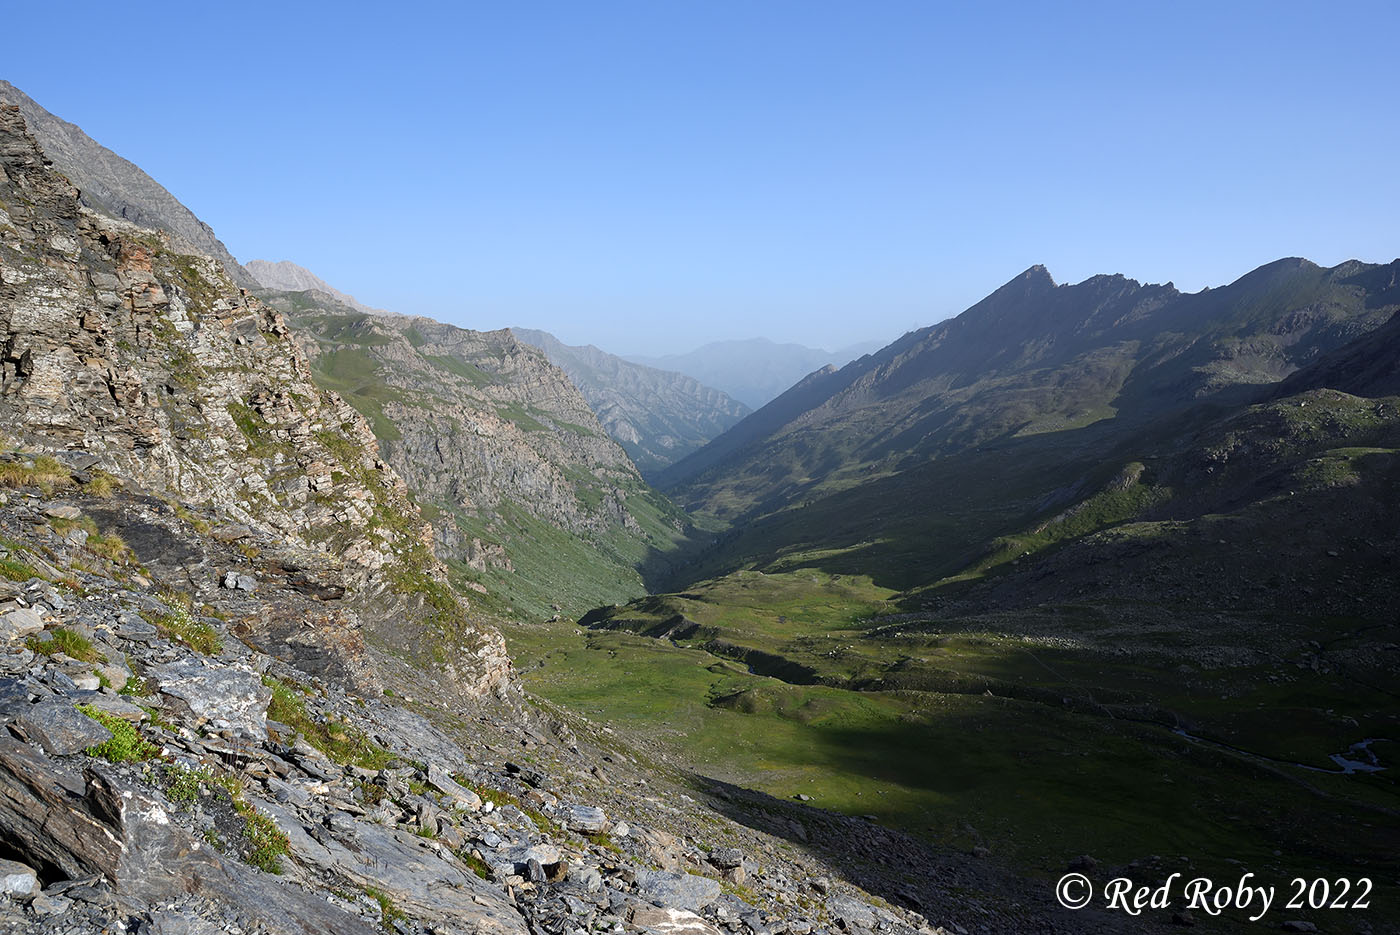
x=112, y=185
x=477, y=423
x=119, y=354
x=657, y=416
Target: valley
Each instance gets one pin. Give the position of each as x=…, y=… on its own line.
x=1095, y=575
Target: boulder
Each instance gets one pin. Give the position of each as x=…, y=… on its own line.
x=17, y=879
x=60, y=728
x=851, y=912
x=671, y=921
x=586, y=819
x=461, y=796
x=223, y=696
x=20, y=623
x=677, y=890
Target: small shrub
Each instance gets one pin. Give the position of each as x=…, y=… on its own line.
x=266, y=842
x=46, y=474
x=16, y=570
x=388, y=912
x=475, y=864
x=184, y=785
x=101, y=484
x=340, y=741
x=125, y=744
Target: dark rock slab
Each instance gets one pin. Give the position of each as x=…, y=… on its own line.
x=60, y=728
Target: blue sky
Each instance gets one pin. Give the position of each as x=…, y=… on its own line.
x=650, y=176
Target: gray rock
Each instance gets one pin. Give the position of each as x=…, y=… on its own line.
x=17, y=879
x=670, y=921
x=234, y=581
x=60, y=728
x=677, y=890
x=225, y=696
x=20, y=623
x=851, y=912
x=63, y=511
x=584, y=818
x=442, y=782
x=727, y=858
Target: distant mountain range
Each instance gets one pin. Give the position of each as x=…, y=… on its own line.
x=658, y=416
x=286, y=276
x=756, y=370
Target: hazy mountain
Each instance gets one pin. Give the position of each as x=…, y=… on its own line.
x=286, y=276
x=658, y=416
x=1053, y=372
x=752, y=371
x=112, y=185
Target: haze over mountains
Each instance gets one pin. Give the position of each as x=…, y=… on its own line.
x=658, y=416
x=756, y=370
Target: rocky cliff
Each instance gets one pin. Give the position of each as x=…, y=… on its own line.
x=122, y=355
x=527, y=492
x=110, y=184
x=657, y=416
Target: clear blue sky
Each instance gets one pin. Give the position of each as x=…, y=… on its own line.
x=649, y=176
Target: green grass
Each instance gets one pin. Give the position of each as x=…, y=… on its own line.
x=181, y=625
x=341, y=741
x=464, y=369
x=68, y=642
x=266, y=843
x=125, y=744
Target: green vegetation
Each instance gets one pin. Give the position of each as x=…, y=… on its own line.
x=184, y=786
x=388, y=912
x=69, y=642
x=181, y=625
x=15, y=569
x=352, y=373
x=342, y=742
x=462, y=368
x=125, y=743
x=267, y=843
x=43, y=472
x=111, y=547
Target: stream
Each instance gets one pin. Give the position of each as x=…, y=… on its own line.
x=1359, y=757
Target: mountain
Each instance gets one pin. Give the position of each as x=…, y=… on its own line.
x=1055, y=577
x=286, y=276
x=530, y=499
x=752, y=371
x=657, y=416
x=238, y=691
x=110, y=184
x=1034, y=358
x=126, y=356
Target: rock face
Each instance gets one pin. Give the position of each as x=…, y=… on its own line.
x=114, y=186
x=498, y=442
x=130, y=358
x=657, y=416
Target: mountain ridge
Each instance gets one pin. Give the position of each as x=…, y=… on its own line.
x=657, y=416
x=118, y=187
